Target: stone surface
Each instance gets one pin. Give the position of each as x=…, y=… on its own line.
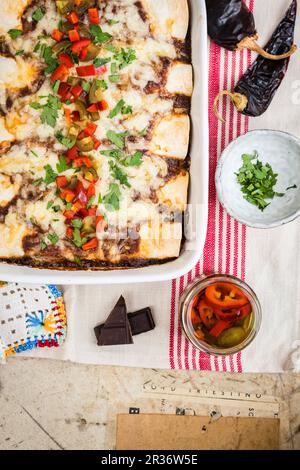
x=59, y=405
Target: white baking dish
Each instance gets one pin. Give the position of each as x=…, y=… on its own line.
x=198, y=197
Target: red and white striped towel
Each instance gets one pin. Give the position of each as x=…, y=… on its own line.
x=268, y=260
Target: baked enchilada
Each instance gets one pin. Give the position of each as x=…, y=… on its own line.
x=94, y=132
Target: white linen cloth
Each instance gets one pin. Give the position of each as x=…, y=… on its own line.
x=271, y=266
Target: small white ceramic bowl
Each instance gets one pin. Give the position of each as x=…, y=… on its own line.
x=282, y=151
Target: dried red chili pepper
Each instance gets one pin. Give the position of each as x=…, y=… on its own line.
x=256, y=89
x=231, y=25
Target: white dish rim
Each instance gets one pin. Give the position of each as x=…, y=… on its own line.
x=225, y=154
x=188, y=258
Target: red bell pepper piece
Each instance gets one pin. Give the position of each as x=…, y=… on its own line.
x=92, y=211
x=91, y=244
x=69, y=214
x=97, y=143
x=83, y=54
x=82, y=161
x=68, y=195
x=66, y=59
x=79, y=45
x=77, y=206
x=73, y=17
x=91, y=191
x=76, y=91
x=63, y=90
x=75, y=116
x=74, y=35
x=94, y=16
x=83, y=213
x=90, y=129
x=57, y=35
x=72, y=153
x=70, y=232
x=86, y=70
x=61, y=73
x=61, y=181
x=81, y=135
x=103, y=105
x=79, y=187
x=92, y=108
x=219, y=327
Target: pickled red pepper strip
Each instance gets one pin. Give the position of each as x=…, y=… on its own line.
x=231, y=25
x=255, y=90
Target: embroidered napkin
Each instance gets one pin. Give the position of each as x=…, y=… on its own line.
x=30, y=317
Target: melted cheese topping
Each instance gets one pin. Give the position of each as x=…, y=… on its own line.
x=17, y=73
x=47, y=219
x=8, y=190
x=11, y=12
x=11, y=236
x=149, y=31
x=19, y=159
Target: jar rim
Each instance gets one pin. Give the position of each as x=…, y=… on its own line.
x=198, y=285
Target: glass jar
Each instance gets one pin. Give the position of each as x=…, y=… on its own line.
x=185, y=308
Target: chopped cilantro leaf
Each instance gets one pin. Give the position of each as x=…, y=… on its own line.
x=15, y=33
x=111, y=48
x=62, y=165
x=64, y=140
x=86, y=86
x=112, y=22
x=117, y=109
x=76, y=223
x=125, y=57
x=117, y=139
x=50, y=174
x=114, y=78
x=143, y=132
x=118, y=154
x=43, y=245
x=102, y=84
x=55, y=86
x=112, y=198
x=53, y=238
x=257, y=181
x=99, y=36
x=77, y=260
x=113, y=68
x=121, y=107
x=119, y=174
x=98, y=62
x=50, y=204
x=77, y=240
x=50, y=109
x=38, y=14
x=38, y=182
x=133, y=160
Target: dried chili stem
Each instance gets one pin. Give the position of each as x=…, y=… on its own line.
x=240, y=102
x=251, y=44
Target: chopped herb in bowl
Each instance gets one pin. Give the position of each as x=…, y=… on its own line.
x=257, y=181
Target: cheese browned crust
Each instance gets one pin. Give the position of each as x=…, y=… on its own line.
x=146, y=226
